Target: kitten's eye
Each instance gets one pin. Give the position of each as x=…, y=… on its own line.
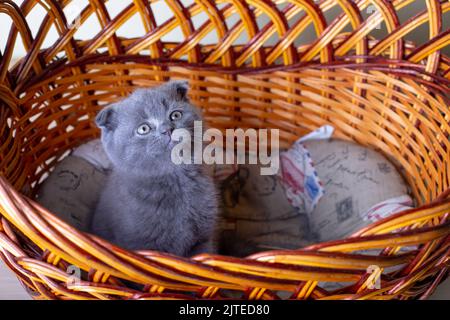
x=143, y=129
x=176, y=115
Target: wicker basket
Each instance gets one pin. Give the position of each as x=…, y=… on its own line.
x=385, y=93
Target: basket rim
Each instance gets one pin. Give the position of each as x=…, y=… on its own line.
x=441, y=231
x=390, y=66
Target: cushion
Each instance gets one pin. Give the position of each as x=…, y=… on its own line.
x=72, y=189
x=360, y=185
x=257, y=216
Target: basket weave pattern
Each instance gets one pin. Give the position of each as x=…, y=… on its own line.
x=384, y=92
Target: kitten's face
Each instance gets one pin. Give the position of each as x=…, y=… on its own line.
x=136, y=132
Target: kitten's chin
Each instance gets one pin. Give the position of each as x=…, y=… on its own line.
x=167, y=142
x=171, y=144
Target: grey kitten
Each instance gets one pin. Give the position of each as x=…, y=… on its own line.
x=149, y=202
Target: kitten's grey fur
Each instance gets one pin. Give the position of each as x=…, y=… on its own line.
x=149, y=202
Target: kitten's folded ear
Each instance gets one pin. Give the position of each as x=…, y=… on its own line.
x=106, y=119
x=178, y=89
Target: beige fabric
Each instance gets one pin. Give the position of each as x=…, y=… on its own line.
x=71, y=191
x=355, y=179
x=257, y=215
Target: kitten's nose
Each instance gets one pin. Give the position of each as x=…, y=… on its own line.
x=165, y=129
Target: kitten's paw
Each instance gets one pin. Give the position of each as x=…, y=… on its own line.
x=202, y=247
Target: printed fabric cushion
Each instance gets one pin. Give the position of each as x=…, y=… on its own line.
x=360, y=187
x=257, y=215
x=72, y=189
